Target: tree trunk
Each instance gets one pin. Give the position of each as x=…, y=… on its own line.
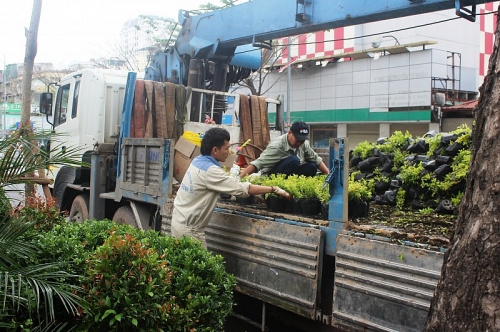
x=467, y=297
x=29, y=61
x=25, y=128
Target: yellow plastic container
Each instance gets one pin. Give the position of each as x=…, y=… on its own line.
x=192, y=137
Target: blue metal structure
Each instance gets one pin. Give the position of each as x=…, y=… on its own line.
x=235, y=34
x=337, y=206
x=127, y=111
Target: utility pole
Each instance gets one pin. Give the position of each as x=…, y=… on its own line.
x=288, y=82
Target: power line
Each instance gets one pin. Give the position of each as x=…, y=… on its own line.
x=376, y=34
x=381, y=33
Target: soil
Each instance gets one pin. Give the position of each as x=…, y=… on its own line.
x=428, y=229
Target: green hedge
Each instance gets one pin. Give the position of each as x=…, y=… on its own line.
x=141, y=280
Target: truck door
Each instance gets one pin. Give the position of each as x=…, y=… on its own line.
x=65, y=120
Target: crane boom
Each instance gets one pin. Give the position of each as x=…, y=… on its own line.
x=262, y=20
x=216, y=35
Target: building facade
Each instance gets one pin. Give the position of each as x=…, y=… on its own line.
x=142, y=36
x=367, y=81
x=11, y=95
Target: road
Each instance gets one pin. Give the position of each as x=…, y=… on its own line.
x=16, y=193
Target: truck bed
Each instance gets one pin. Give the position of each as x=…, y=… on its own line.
x=427, y=230
x=260, y=208
x=381, y=282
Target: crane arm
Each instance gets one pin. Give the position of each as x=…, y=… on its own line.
x=217, y=33
x=233, y=35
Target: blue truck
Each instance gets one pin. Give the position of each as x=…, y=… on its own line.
x=312, y=269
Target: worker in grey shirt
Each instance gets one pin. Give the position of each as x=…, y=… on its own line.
x=288, y=154
x=203, y=183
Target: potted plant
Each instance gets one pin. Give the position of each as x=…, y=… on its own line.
x=275, y=203
x=293, y=187
x=310, y=203
x=323, y=194
x=359, y=194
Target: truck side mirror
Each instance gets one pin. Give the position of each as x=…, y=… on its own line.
x=46, y=103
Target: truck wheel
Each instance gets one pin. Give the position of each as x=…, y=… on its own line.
x=64, y=176
x=124, y=215
x=79, y=209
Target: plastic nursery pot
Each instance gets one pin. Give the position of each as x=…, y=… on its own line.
x=268, y=202
x=310, y=207
x=357, y=209
x=289, y=205
x=324, y=211
x=277, y=204
x=297, y=207
x=246, y=200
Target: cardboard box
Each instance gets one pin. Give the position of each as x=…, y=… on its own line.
x=185, y=151
x=229, y=161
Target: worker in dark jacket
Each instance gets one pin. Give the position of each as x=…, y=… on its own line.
x=288, y=154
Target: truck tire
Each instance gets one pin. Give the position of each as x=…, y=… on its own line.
x=79, y=209
x=64, y=176
x=124, y=215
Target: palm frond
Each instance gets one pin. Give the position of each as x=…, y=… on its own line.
x=12, y=246
x=22, y=157
x=43, y=283
x=24, y=284
x=52, y=327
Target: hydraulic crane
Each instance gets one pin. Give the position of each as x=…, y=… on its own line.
x=223, y=46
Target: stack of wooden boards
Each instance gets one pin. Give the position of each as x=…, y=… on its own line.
x=254, y=125
x=160, y=110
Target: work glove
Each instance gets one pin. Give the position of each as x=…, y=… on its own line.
x=254, y=175
x=280, y=192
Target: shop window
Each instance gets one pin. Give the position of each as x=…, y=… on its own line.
x=321, y=137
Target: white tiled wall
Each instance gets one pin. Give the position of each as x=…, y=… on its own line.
x=401, y=80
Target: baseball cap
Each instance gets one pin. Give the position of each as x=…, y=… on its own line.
x=300, y=130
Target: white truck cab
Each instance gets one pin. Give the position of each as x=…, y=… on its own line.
x=86, y=113
x=88, y=106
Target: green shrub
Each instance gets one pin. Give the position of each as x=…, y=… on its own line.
x=398, y=141
x=73, y=244
x=464, y=135
x=129, y=288
x=278, y=180
x=411, y=172
x=44, y=213
x=292, y=186
x=363, y=149
x=201, y=287
x=322, y=189
x=308, y=187
x=253, y=178
x=434, y=143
